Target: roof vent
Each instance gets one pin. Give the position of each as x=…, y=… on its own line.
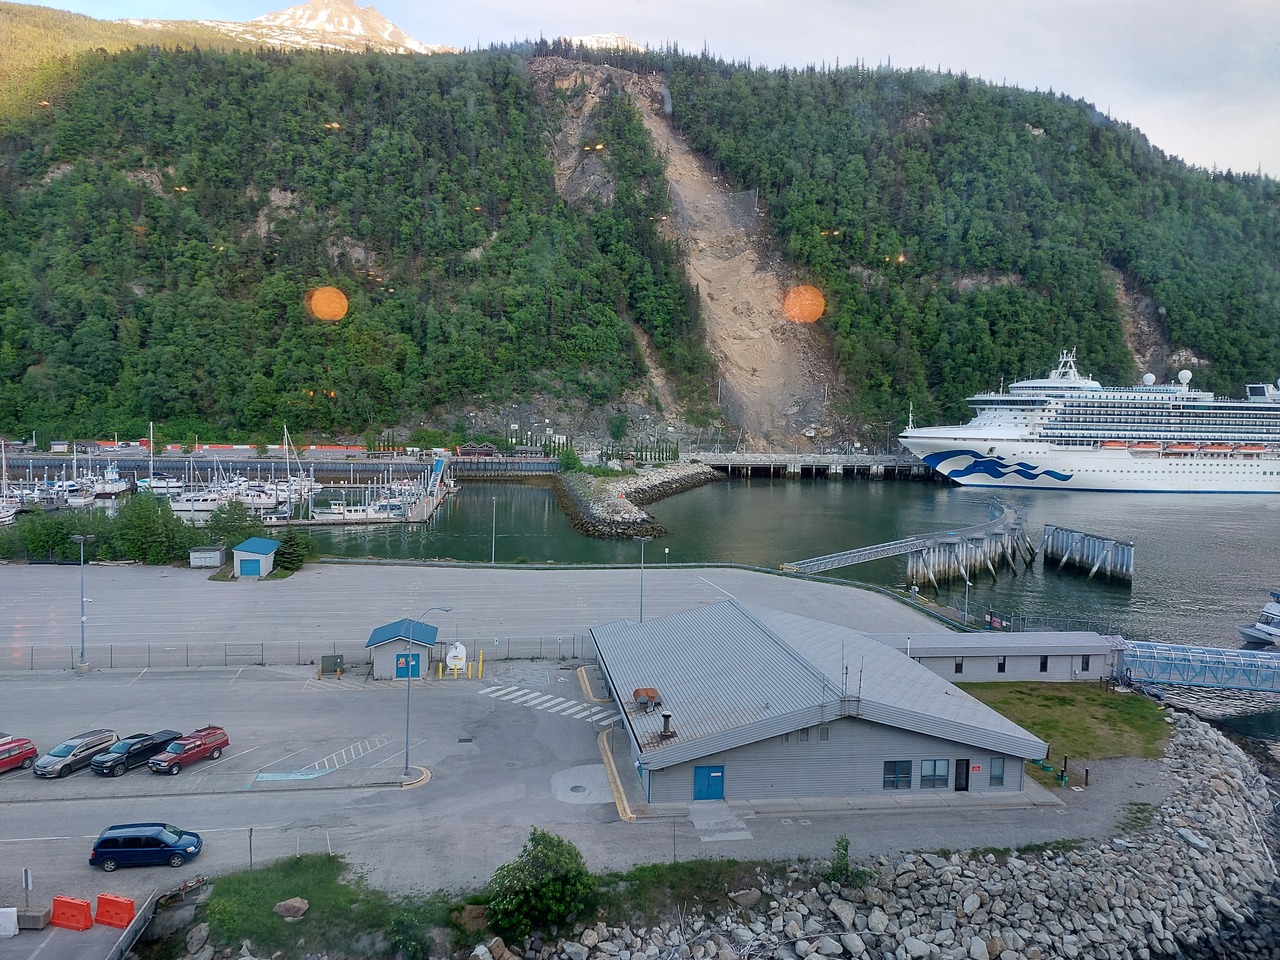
x=667, y=732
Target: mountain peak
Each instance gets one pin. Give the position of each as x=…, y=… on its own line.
x=342, y=18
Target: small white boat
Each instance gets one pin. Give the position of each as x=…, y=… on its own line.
x=1266, y=631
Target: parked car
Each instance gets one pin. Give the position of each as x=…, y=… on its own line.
x=74, y=754
x=132, y=751
x=16, y=752
x=208, y=742
x=142, y=844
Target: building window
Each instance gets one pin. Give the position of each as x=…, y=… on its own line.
x=934, y=773
x=1000, y=665
x=1084, y=663
x=786, y=738
x=997, y=771
x=897, y=774
x=804, y=735
x=1044, y=664
x=824, y=733
x=959, y=664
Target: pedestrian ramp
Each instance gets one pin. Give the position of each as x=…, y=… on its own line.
x=549, y=703
x=1168, y=664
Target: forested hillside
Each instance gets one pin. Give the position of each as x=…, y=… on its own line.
x=964, y=232
x=164, y=217
x=162, y=228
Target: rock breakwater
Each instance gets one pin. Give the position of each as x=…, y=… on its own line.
x=1198, y=877
x=610, y=507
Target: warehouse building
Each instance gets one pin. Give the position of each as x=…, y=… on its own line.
x=732, y=702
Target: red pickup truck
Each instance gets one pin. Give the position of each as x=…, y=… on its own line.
x=206, y=742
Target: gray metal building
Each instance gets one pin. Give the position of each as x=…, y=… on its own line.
x=731, y=702
x=1040, y=657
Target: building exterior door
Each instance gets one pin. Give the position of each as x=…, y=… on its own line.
x=251, y=568
x=407, y=666
x=708, y=783
x=962, y=775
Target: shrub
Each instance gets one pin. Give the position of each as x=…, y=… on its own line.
x=547, y=883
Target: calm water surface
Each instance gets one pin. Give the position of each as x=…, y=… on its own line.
x=1203, y=564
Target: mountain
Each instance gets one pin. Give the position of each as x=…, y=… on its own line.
x=317, y=25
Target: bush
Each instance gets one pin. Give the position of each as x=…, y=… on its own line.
x=546, y=884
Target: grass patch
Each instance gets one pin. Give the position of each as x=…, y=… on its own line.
x=1137, y=816
x=345, y=914
x=654, y=891
x=1059, y=845
x=1080, y=720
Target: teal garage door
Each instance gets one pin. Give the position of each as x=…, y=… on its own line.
x=251, y=568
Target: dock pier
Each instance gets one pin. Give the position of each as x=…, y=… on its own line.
x=1088, y=553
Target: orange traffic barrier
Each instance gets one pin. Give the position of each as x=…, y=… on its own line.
x=114, y=911
x=71, y=914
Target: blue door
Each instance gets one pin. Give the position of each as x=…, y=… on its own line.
x=251, y=568
x=407, y=665
x=708, y=783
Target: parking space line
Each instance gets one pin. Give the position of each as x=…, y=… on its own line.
x=398, y=753
x=236, y=677
x=138, y=677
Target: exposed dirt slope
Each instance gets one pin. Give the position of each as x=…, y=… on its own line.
x=775, y=376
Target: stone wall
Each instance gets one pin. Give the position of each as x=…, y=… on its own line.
x=609, y=507
x=1201, y=867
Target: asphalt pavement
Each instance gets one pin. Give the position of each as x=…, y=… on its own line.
x=318, y=764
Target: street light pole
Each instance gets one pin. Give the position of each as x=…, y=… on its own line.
x=643, y=541
x=408, y=680
x=82, y=539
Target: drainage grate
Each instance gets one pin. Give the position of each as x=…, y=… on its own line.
x=466, y=740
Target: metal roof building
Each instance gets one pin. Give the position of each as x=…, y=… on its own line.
x=732, y=702
x=393, y=648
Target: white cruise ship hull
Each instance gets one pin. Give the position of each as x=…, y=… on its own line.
x=1039, y=465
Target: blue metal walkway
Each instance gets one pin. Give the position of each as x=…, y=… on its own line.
x=1169, y=664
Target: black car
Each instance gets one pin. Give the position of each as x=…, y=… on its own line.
x=132, y=751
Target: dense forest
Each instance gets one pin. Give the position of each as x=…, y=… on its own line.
x=162, y=227
x=964, y=232
x=163, y=218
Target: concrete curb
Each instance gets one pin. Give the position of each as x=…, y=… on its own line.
x=611, y=771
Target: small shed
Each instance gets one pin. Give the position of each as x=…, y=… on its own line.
x=59, y=446
x=206, y=558
x=397, y=648
x=255, y=557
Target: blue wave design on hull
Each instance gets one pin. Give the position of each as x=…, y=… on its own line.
x=993, y=467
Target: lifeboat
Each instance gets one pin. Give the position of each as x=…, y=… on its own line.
x=1114, y=445
x=1144, y=445
x=1216, y=448
x=1251, y=448
x=1181, y=448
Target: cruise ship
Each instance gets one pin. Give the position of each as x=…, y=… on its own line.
x=1068, y=432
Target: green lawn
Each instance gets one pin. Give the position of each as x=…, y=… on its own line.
x=1080, y=720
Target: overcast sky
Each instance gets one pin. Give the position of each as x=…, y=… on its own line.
x=1201, y=78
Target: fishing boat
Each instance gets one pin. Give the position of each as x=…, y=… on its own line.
x=1066, y=431
x=1265, y=631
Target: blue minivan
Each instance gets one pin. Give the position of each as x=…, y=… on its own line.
x=142, y=844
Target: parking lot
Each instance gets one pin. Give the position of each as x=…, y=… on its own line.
x=317, y=765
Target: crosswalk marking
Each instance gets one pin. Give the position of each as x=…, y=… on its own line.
x=549, y=703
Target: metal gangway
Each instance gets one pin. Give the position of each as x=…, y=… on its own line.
x=1167, y=664
x=1003, y=519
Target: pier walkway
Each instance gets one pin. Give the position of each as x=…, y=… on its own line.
x=936, y=555
x=1168, y=664
x=831, y=465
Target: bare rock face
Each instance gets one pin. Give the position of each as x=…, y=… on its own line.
x=292, y=908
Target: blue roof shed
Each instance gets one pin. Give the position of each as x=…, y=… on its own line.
x=254, y=557
x=390, y=658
